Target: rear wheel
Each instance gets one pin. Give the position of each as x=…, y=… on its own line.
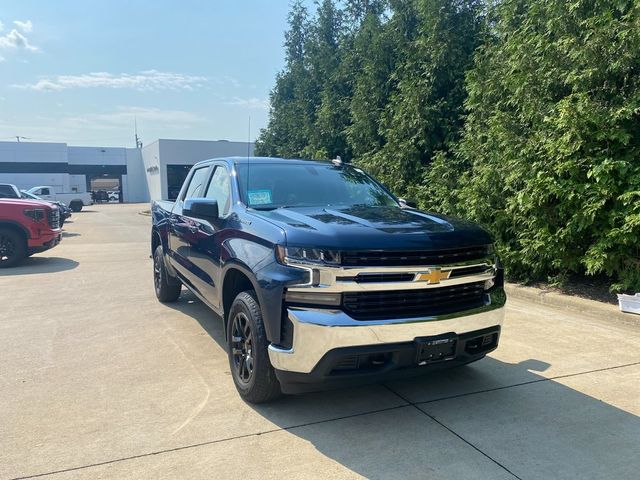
x=75, y=205
x=166, y=291
x=13, y=248
x=253, y=375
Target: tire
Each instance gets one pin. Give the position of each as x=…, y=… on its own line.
x=13, y=248
x=75, y=205
x=252, y=373
x=166, y=292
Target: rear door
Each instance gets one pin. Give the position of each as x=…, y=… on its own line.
x=181, y=228
x=206, y=242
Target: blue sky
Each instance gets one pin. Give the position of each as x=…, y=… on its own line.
x=80, y=71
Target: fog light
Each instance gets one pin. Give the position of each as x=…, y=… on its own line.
x=314, y=298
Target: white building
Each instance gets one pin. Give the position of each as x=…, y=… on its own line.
x=151, y=173
x=167, y=162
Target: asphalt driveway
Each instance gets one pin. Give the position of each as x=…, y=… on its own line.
x=99, y=380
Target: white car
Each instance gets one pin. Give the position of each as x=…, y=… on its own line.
x=75, y=200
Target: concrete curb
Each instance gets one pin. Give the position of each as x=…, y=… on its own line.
x=568, y=302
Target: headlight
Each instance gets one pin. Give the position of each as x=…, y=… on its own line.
x=307, y=256
x=36, y=214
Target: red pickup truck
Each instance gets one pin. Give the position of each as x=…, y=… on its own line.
x=26, y=227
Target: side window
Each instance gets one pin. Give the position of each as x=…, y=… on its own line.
x=197, y=183
x=219, y=190
x=44, y=191
x=6, y=191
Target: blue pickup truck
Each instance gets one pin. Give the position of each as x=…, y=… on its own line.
x=322, y=277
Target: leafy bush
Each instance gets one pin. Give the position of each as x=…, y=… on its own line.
x=552, y=139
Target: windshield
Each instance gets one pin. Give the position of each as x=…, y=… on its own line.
x=298, y=185
x=29, y=195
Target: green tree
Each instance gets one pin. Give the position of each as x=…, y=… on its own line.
x=325, y=51
x=374, y=58
x=293, y=99
x=425, y=112
x=552, y=142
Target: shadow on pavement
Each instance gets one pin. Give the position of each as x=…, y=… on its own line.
x=70, y=234
x=535, y=427
x=32, y=265
x=191, y=305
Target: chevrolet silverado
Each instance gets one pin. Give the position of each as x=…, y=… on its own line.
x=322, y=277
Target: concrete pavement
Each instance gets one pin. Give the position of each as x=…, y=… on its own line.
x=99, y=380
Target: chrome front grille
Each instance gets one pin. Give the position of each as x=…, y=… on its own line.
x=430, y=284
x=53, y=217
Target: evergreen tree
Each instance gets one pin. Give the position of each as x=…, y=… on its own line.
x=292, y=108
x=523, y=116
x=553, y=138
x=373, y=63
x=425, y=113
x=327, y=139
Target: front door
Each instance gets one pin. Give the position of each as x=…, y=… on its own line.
x=206, y=244
x=183, y=228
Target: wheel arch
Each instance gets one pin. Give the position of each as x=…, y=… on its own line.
x=16, y=227
x=156, y=239
x=236, y=280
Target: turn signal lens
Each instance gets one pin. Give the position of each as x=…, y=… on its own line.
x=314, y=298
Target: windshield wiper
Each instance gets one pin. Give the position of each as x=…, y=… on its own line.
x=271, y=207
x=263, y=209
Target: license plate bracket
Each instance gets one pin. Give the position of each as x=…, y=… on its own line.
x=436, y=349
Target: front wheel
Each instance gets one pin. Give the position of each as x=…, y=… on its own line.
x=13, y=248
x=253, y=375
x=166, y=291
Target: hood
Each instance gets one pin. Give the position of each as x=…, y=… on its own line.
x=24, y=203
x=361, y=227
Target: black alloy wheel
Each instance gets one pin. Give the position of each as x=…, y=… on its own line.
x=13, y=248
x=157, y=274
x=166, y=291
x=242, y=348
x=247, y=349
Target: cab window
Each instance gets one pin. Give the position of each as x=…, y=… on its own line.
x=197, y=183
x=219, y=190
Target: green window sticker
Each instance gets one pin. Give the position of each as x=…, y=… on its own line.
x=259, y=197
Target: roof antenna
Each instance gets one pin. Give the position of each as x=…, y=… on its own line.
x=135, y=128
x=248, y=158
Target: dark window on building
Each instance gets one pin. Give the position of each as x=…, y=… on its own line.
x=176, y=175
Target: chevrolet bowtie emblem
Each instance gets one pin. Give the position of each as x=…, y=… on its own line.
x=432, y=276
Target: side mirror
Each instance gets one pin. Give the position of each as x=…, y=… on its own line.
x=407, y=203
x=202, y=208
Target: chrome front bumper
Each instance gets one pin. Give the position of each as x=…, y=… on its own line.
x=318, y=331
